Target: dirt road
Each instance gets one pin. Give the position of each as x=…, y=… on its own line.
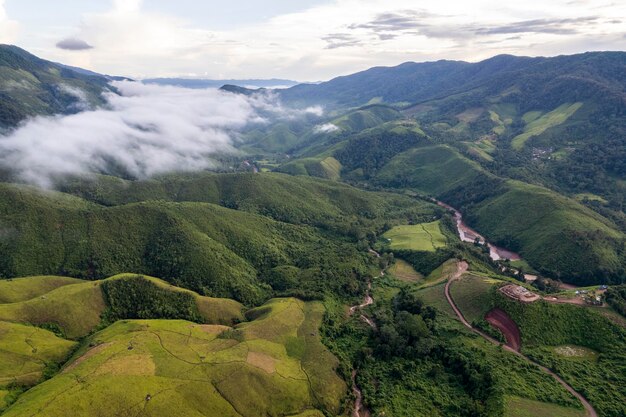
x=461, y=268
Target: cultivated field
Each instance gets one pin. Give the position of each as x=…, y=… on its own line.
x=420, y=237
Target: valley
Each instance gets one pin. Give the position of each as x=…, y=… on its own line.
x=433, y=239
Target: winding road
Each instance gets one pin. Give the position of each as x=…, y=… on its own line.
x=461, y=269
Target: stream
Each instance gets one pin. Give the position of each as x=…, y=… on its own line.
x=359, y=408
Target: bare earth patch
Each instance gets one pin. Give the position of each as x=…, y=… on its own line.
x=211, y=328
x=93, y=351
x=501, y=321
x=141, y=365
x=262, y=361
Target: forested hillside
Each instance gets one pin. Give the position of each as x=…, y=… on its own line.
x=30, y=86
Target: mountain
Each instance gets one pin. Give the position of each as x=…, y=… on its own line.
x=207, y=83
x=595, y=73
x=30, y=86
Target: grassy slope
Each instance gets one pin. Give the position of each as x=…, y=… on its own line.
x=77, y=308
x=404, y=271
x=22, y=289
x=529, y=219
x=472, y=296
x=419, y=237
x=539, y=125
x=189, y=369
x=25, y=351
x=522, y=407
x=323, y=167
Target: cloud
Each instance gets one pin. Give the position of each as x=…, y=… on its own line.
x=550, y=26
x=144, y=131
x=325, y=128
x=340, y=40
x=81, y=103
x=73, y=44
x=396, y=21
x=334, y=37
x=8, y=28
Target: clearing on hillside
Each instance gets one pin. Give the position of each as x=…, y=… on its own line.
x=175, y=367
x=425, y=237
x=539, y=125
x=404, y=271
x=522, y=407
x=472, y=295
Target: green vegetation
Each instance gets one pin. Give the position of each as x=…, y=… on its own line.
x=472, y=295
x=616, y=298
x=522, y=407
x=30, y=86
x=77, y=309
x=536, y=126
x=421, y=361
x=327, y=168
x=180, y=241
x=26, y=352
x=404, y=271
x=22, y=289
x=527, y=219
x=420, y=237
x=545, y=329
x=180, y=368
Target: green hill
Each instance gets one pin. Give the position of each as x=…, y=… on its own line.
x=272, y=220
x=26, y=351
x=30, y=86
x=557, y=235
x=76, y=309
x=162, y=367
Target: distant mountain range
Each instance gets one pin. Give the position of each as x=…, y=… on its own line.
x=204, y=83
x=568, y=77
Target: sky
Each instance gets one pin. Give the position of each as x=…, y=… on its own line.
x=303, y=40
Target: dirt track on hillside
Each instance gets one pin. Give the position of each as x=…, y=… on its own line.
x=501, y=321
x=461, y=268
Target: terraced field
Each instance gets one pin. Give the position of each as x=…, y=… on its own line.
x=420, y=237
x=174, y=367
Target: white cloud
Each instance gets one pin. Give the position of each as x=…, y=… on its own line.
x=146, y=130
x=8, y=28
x=325, y=128
x=342, y=36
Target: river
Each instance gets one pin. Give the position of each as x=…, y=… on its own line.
x=467, y=234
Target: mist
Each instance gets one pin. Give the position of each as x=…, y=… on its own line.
x=145, y=130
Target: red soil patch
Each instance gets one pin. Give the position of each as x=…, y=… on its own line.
x=501, y=321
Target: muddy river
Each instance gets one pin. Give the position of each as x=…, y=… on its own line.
x=467, y=234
